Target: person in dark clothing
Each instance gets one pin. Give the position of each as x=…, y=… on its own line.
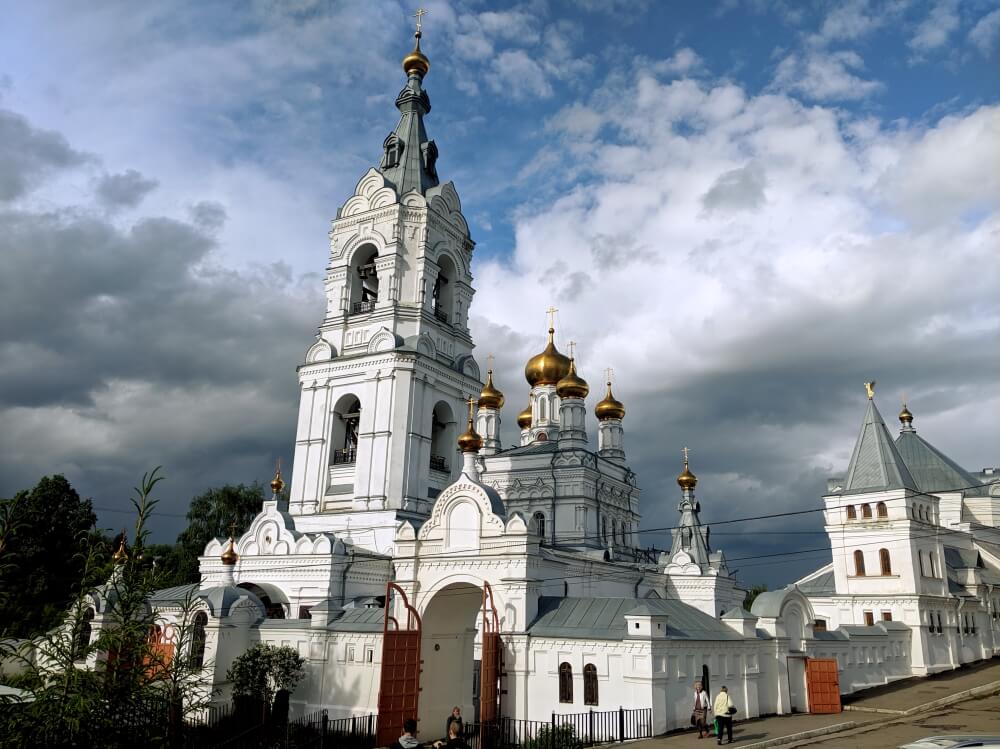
x=455, y=717
x=454, y=740
x=409, y=738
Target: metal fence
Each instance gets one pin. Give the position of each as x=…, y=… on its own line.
x=572, y=731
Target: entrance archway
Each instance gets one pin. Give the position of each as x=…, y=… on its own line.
x=448, y=649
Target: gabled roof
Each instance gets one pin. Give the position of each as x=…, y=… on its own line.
x=932, y=470
x=604, y=619
x=960, y=559
x=821, y=585
x=876, y=464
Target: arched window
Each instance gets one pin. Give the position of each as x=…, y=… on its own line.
x=614, y=531
x=364, y=281
x=590, y=684
x=442, y=437
x=934, y=567
x=84, y=634
x=539, y=518
x=344, y=434
x=198, y=625
x=442, y=294
x=884, y=563
x=881, y=510
x=543, y=412
x=859, y=563
x=851, y=513
x=920, y=561
x=604, y=529
x=866, y=511
x=565, y=683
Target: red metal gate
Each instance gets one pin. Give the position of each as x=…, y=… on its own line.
x=492, y=660
x=399, y=691
x=823, y=685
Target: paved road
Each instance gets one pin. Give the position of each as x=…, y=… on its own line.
x=975, y=716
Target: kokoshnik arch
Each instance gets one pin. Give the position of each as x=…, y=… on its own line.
x=418, y=564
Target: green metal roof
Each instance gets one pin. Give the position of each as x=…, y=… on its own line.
x=359, y=620
x=821, y=585
x=875, y=464
x=932, y=469
x=604, y=619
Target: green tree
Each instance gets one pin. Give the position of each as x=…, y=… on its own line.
x=265, y=669
x=210, y=516
x=42, y=561
x=752, y=594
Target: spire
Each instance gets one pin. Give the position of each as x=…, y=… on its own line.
x=932, y=470
x=689, y=536
x=409, y=158
x=876, y=464
x=121, y=554
x=277, y=483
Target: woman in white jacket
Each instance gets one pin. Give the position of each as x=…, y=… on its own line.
x=724, y=710
x=699, y=713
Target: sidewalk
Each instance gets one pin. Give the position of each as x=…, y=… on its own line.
x=895, y=698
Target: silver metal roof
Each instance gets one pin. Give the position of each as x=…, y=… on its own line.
x=821, y=585
x=932, y=469
x=875, y=464
x=604, y=619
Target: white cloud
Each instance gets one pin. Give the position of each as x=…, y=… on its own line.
x=685, y=60
x=824, y=75
x=516, y=73
x=934, y=31
x=851, y=20
x=986, y=32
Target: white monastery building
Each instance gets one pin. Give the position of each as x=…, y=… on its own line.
x=418, y=564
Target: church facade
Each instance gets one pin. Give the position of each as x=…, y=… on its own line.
x=514, y=574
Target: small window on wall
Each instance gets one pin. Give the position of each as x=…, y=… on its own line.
x=539, y=518
x=369, y=655
x=887, y=616
x=869, y=619
x=940, y=625
x=881, y=510
x=884, y=562
x=590, y=684
x=852, y=514
x=566, y=683
x=819, y=625
x=866, y=511
x=859, y=563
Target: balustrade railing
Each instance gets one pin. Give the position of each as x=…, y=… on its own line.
x=360, y=308
x=347, y=455
x=438, y=463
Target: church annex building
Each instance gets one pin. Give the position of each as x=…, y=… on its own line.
x=414, y=576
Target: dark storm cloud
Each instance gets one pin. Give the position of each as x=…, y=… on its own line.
x=122, y=348
x=29, y=154
x=125, y=190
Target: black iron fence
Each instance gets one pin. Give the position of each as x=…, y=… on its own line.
x=229, y=727
x=573, y=731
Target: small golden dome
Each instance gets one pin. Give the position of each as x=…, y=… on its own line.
x=470, y=441
x=610, y=407
x=416, y=61
x=277, y=483
x=229, y=556
x=524, y=418
x=687, y=480
x=490, y=397
x=120, y=555
x=905, y=417
x=548, y=367
x=572, y=385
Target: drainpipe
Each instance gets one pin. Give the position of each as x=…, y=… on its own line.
x=343, y=578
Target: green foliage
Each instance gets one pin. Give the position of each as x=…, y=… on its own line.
x=211, y=514
x=46, y=535
x=264, y=669
x=107, y=686
x=563, y=737
x=752, y=594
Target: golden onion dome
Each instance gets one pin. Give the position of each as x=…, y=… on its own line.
x=524, y=418
x=229, y=556
x=416, y=61
x=572, y=385
x=470, y=441
x=548, y=367
x=277, y=483
x=610, y=407
x=905, y=417
x=490, y=397
x=120, y=555
x=687, y=480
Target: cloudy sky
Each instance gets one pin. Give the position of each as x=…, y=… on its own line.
x=746, y=208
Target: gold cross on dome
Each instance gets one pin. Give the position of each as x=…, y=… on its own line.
x=551, y=312
x=489, y=362
x=685, y=451
x=419, y=16
x=572, y=349
x=232, y=529
x=471, y=402
x=608, y=374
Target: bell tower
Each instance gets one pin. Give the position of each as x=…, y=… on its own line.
x=383, y=388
